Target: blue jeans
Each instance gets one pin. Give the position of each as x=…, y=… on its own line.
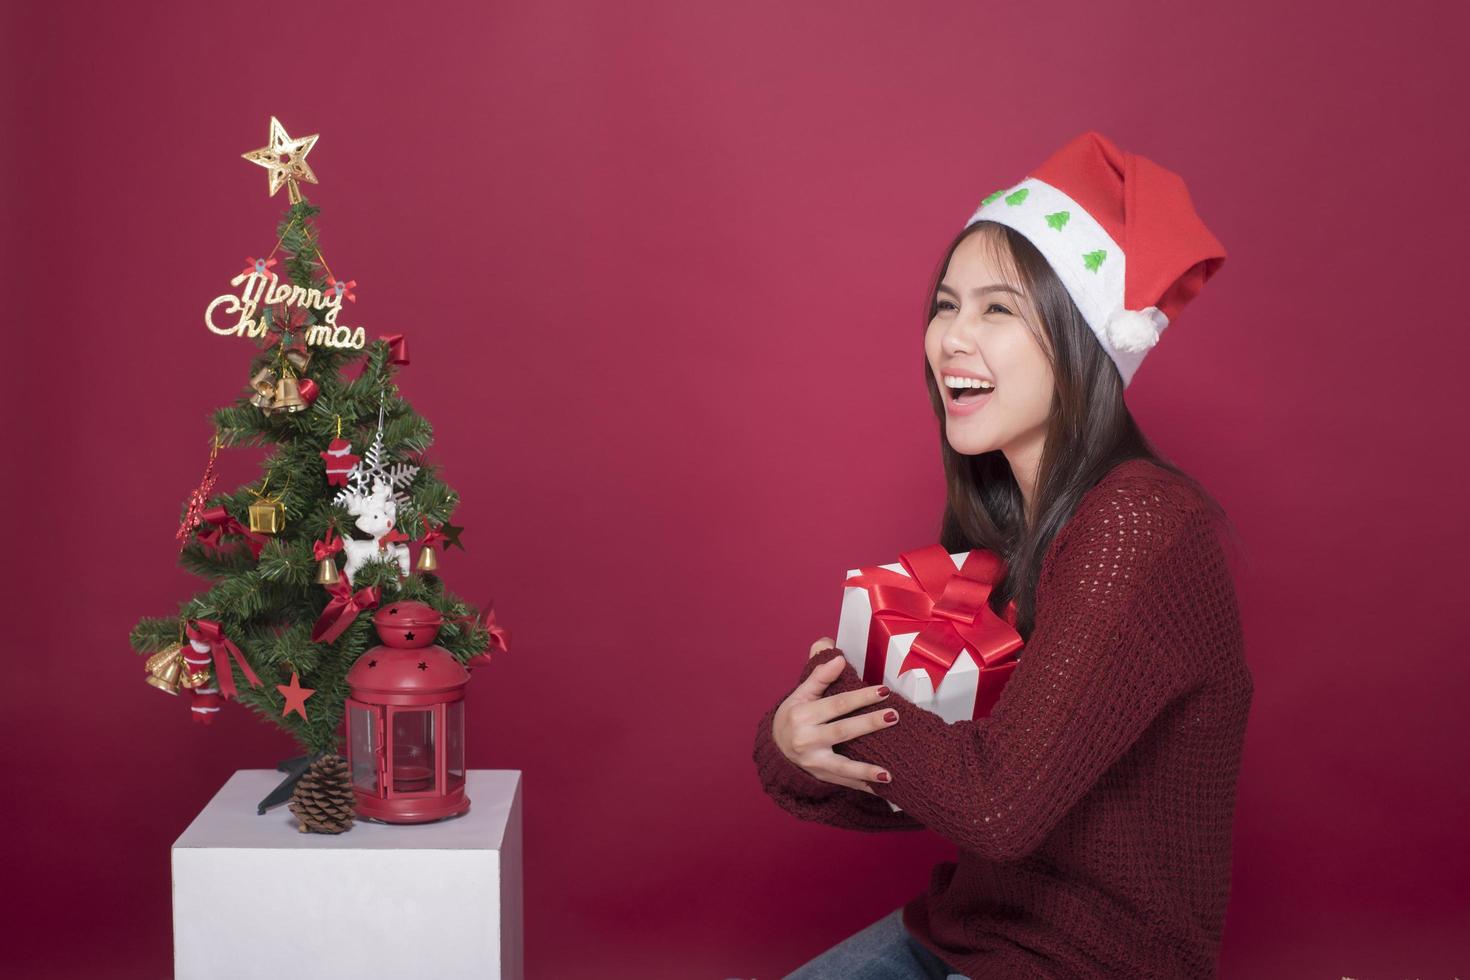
x=882, y=951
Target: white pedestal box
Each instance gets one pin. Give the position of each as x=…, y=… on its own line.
x=253, y=897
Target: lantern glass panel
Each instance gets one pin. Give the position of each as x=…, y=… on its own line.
x=362, y=732
x=454, y=743
x=413, y=750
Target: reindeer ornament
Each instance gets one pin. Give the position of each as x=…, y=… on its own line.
x=375, y=488
x=375, y=513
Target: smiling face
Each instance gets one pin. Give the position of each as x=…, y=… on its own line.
x=985, y=330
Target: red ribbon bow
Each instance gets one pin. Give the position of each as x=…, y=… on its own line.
x=286, y=319
x=394, y=536
x=322, y=550
x=211, y=632
x=499, y=636
x=342, y=610
x=946, y=606
x=225, y=523
x=397, y=348
x=432, y=535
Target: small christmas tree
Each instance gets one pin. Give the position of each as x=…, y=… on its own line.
x=266, y=632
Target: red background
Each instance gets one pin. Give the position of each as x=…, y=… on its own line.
x=661, y=266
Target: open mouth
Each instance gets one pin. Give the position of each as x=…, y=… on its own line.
x=963, y=391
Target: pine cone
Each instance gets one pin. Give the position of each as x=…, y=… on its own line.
x=322, y=800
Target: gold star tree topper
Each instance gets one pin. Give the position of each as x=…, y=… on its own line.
x=285, y=158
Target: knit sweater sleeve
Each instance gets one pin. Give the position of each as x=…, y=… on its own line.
x=803, y=795
x=1099, y=667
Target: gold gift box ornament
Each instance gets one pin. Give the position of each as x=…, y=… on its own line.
x=268, y=516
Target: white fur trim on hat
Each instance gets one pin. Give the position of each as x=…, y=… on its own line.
x=1135, y=331
x=1090, y=264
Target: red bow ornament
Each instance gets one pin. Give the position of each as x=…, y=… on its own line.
x=322, y=550
x=211, y=632
x=221, y=523
x=342, y=610
x=499, y=637
x=393, y=536
x=946, y=610
x=432, y=535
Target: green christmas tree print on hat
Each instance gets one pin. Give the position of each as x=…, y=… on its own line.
x=990, y=197
x=1058, y=218
x=1017, y=197
x=1094, y=259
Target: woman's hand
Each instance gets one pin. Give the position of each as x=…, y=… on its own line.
x=805, y=733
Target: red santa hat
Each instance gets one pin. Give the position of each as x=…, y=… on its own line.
x=1122, y=235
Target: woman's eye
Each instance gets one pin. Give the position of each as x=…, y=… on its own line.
x=945, y=304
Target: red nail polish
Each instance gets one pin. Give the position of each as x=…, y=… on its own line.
x=883, y=692
x=890, y=716
x=883, y=777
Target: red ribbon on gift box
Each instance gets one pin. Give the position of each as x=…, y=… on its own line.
x=223, y=522
x=342, y=610
x=211, y=632
x=948, y=607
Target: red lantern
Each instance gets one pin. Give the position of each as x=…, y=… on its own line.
x=405, y=721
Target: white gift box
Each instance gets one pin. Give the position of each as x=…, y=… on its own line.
x=955, y=699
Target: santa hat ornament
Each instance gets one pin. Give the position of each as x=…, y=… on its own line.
x=1122, y=235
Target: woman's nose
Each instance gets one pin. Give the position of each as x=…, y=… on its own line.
x=957, y=339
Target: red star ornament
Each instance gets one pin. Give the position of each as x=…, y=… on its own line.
x=296, y=696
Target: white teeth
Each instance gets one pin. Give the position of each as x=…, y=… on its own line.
x=951, y=381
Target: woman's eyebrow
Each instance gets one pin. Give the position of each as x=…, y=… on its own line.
x=982, y=290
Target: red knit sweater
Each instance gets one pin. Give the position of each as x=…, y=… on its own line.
x=1092, y=809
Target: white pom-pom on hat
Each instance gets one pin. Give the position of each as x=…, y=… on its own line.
x=1133, y=331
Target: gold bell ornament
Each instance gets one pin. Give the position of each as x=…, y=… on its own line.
x=287, y=396
x=326, y=572
x=428, y=555
x=299, y=358
x=324, y=550
x=192, y=679
x=264, y=383
x=164, y=668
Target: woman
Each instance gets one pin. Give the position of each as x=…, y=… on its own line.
x=1092, y=808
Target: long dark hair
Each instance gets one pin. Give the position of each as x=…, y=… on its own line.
x=1089, y=432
